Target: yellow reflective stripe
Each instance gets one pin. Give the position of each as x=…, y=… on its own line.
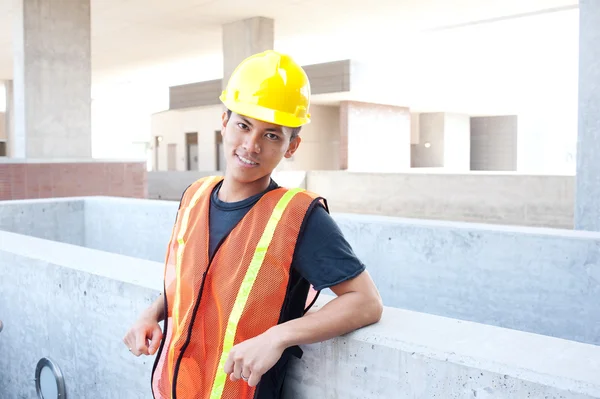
x=246, y=287
x=182, y=230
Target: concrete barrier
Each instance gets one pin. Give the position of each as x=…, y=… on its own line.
x=482, y=197
x=544, y=281
x=59, y=219
x=74, y=304
x=170, y=185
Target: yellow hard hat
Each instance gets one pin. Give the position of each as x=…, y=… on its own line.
x=270, y=87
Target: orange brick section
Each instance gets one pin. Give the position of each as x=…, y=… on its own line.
x=51, y=180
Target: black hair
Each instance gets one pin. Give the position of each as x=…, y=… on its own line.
x=295, y=130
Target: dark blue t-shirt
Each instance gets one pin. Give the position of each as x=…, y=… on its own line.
x=323, y=256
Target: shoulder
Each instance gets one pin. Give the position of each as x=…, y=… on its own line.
x=204, y=184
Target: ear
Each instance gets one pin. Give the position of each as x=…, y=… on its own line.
x=224, y=121
x=294, y=144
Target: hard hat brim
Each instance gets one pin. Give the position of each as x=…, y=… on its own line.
x=265, y=114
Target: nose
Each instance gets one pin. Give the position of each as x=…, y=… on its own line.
x=251, y=143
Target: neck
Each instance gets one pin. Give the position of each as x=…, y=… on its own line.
x=234, y=191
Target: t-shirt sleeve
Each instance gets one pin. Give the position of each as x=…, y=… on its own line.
x=324, y=257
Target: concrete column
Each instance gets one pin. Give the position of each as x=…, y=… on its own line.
x=9, y=118
x=244, y=38
x=587, y=197
x=52, y=79
x=374, y=137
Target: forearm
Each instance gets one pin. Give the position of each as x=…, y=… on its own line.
x=156, y=310
x=343, y=314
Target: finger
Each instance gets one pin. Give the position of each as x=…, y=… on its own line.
x=140, y=344
x=254, y=379
x=155, y=340
x=246, y=374
x=228, y=368
x=237, y=371
x=129, y=342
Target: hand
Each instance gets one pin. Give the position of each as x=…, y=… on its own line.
x=144, y=330
x=253, y=358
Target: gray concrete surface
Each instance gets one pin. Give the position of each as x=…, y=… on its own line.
x=129, y=228
x=416, y=355
x=587, y=208
x=532, y=279
x=482, y=197
x=52, y=79
x=53, y=219
x=74, y=304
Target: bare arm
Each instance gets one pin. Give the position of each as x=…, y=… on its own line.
x=145, y=335
x=358, y=304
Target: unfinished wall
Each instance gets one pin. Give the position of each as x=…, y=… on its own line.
x=52, y=219
x=443, y=142
x=319, y=149
x=524, y=200
x=494, y=143
x=75, y=304
x=3, y=135
x=172, y=126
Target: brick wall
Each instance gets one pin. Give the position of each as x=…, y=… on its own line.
x=50, y=180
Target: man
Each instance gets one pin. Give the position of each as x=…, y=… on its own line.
x=244, y=254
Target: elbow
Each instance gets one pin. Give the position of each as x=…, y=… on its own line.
x=377, y=309
x=373, y=310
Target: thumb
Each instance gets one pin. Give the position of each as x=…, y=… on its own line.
x=155, y=338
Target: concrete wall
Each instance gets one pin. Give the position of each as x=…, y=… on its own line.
x=431, y=132
x=319, y=148
x=3, y=135
x=59, y=219
x=320, y=144
x=527, y=200
x=128, y=228
x=173, y=125
x=494, y=141
x=170, y=185
x=537, y=280
x=75, y=304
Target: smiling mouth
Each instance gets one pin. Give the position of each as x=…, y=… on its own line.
x=246, y=160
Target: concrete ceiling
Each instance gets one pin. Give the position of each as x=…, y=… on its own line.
x=138, y=33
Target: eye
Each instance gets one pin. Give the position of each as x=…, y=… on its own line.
x=243, y=126
x=272, y=136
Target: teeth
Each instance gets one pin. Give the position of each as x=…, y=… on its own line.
x=246, y=161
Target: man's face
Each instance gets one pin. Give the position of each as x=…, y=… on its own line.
x=254, y=148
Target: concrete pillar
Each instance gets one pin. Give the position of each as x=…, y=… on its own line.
x=494, y=143
x=443, y=141
x=244, y=38
x=52, y=79
x=9, y=118
x=587, y=197
x=374, y=137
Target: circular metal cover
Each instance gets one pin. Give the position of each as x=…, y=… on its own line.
x=49, y=380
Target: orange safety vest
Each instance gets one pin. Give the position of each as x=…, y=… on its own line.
x=245, y=289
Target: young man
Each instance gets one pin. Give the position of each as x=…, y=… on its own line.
x=244, y=254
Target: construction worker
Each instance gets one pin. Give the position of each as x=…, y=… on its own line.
x=244, y=254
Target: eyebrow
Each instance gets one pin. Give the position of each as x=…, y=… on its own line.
x=247, y=122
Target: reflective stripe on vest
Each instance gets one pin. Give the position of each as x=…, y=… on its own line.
x=244, y=292
x=214, y=304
